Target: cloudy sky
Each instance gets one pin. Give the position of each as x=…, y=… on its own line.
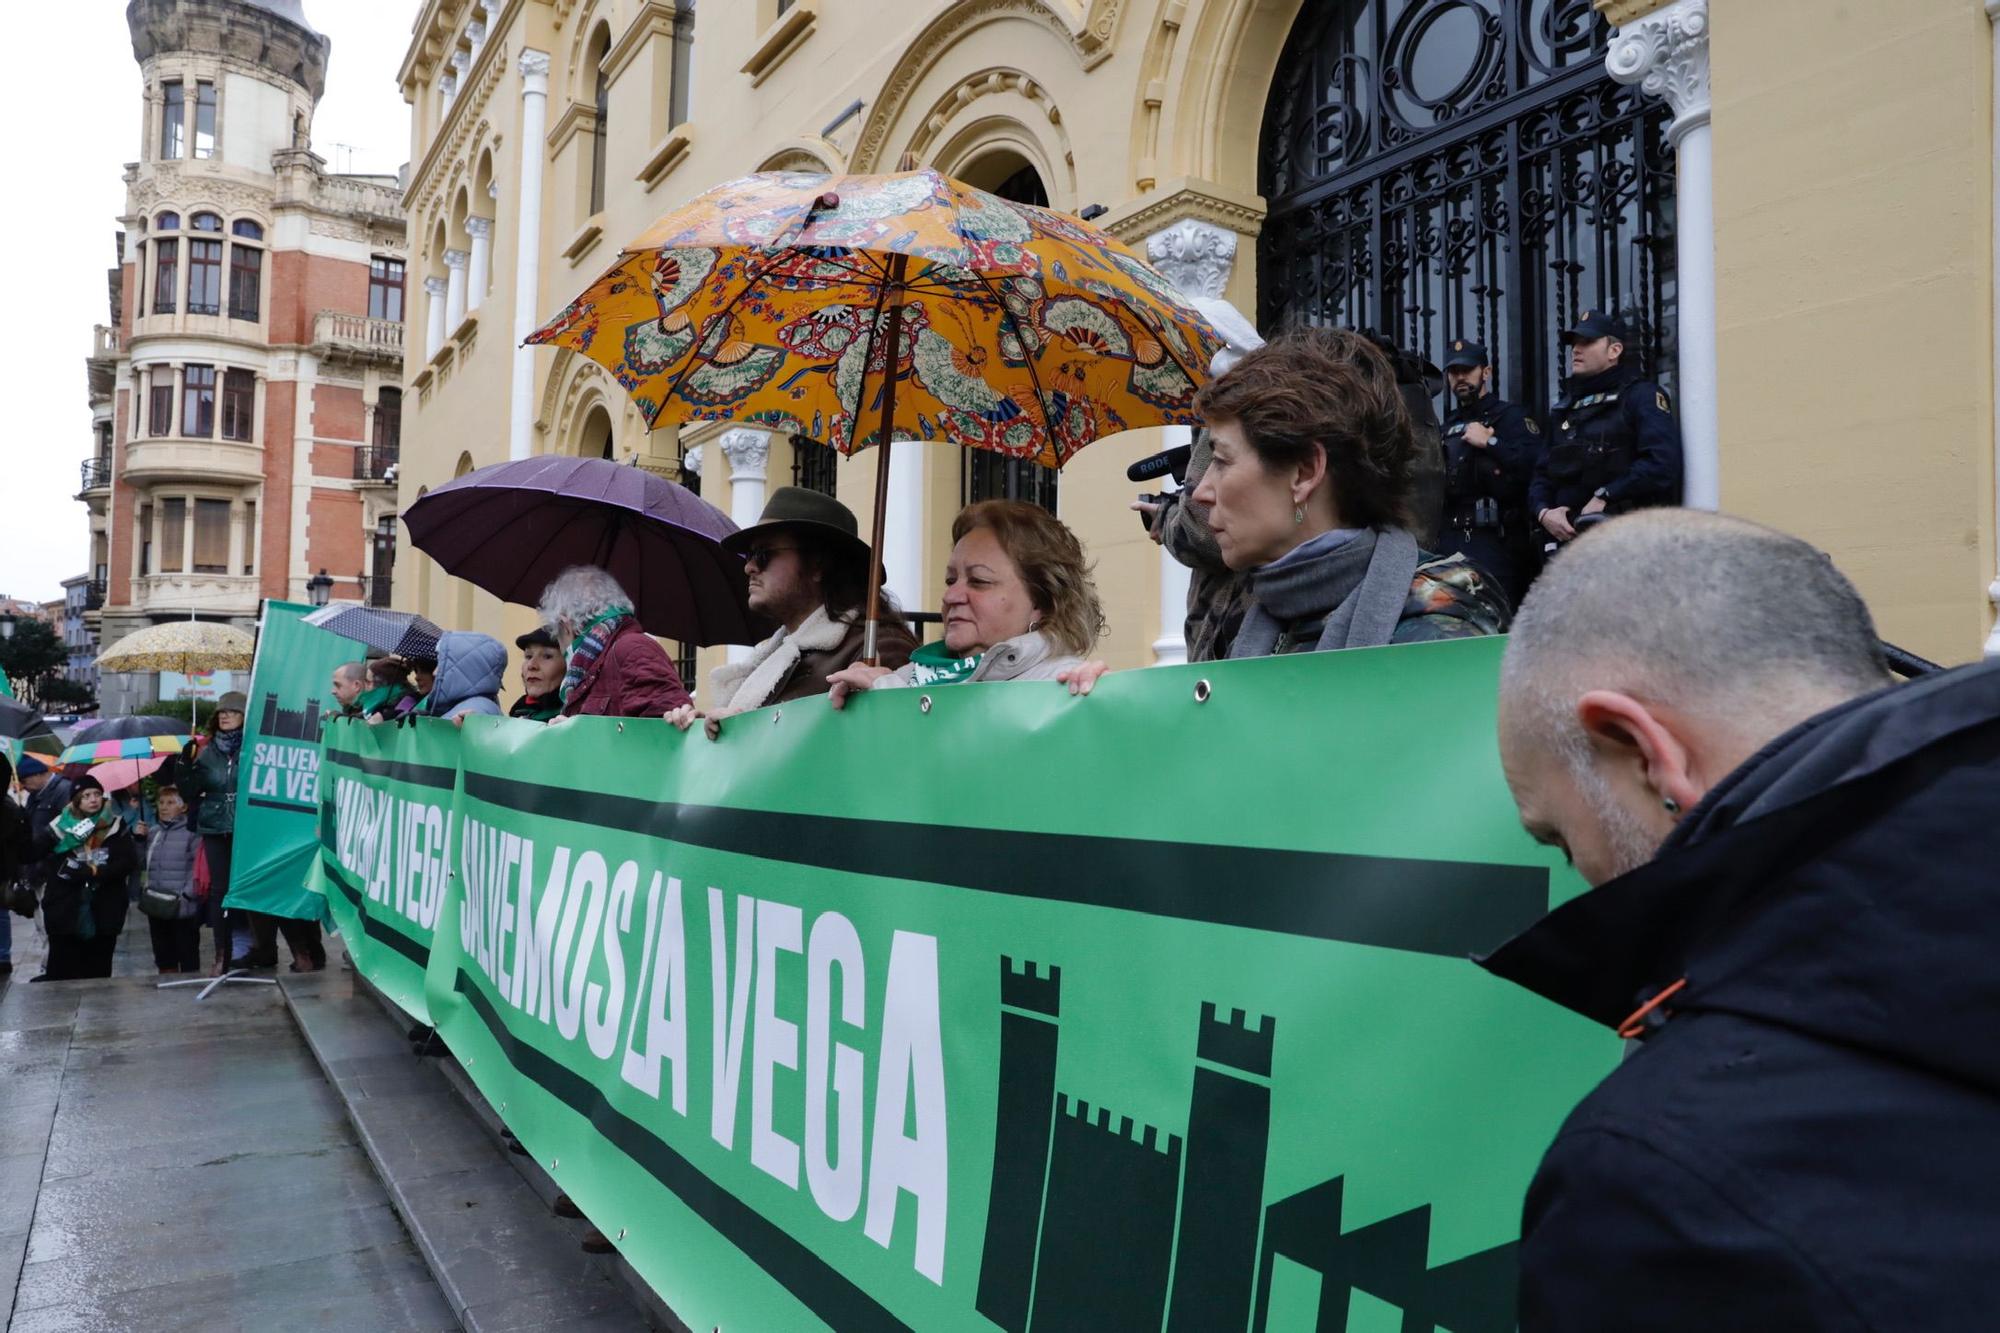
x=82, y=126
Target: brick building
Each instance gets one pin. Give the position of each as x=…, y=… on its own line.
x=246, y=392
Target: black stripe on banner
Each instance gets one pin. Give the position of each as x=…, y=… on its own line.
x=419, y=775
x=815, y=1283
x=262, y=803
x=374, y=929
x=1449, y=908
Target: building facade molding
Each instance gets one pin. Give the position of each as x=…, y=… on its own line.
x=1187, y=197
x=1195, y=256
x=1665, y=52
x=1620, y=12
x=917, y=60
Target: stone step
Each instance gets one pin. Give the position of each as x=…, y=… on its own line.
x=504, y=1261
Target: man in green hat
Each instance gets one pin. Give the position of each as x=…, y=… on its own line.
x=807, y=569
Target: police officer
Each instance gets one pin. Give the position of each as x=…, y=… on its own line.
x=1615, y=444
x=1490, y=450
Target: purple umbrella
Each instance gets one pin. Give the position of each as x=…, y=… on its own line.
x=512, y=527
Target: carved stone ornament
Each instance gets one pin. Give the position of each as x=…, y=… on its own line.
x=1195, y=256
x=691, y=461
x=748, y=452
x=1666, y=54
x=535, y=64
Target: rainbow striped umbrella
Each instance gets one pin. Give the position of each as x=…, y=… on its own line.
x=136, y=737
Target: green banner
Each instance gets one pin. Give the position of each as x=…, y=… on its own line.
x=989, y=1007
x=277, y=782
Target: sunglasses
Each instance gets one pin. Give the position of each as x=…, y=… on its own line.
x=760, y=557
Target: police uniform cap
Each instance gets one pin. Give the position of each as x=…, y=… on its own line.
x=1592, y=325
x=1463, y=353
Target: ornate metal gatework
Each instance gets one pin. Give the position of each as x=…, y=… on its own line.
x=1442, y=169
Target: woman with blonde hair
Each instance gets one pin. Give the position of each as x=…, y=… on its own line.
x=1019, y=604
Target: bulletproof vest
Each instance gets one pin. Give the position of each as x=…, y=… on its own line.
x=1466, y=481
x=1594, y=445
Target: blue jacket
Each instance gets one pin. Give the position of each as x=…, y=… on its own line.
x=1809, y=1135
x=469, y=667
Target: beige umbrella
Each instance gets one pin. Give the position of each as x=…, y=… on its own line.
x=186, y=646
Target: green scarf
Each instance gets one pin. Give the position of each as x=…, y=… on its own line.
x=83, y=834
x=378, y=697
x=934, y=664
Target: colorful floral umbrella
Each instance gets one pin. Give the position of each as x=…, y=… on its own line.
x=857, y=310
x=769, y=300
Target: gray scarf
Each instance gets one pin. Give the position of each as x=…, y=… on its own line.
x=1360, y=586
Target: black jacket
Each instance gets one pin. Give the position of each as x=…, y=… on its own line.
x=1809, y=1136
x=1616, y=412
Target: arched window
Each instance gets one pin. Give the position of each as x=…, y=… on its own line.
x=167, y=222
x=599, y=43
x=246, y=269
x=205, y=222
x=596, y=439
x=1434, y=173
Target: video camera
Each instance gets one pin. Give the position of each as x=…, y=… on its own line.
x=1168, y=462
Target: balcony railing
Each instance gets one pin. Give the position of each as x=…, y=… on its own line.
x=96, y=473
x=376, y=587
x=373, y=462
x=359, y=335
x=93, y=595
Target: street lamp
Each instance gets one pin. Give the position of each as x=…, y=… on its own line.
x=318, y=587
x=6, y=624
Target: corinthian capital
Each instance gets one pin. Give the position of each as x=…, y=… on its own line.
x=1666, y=54
x=1194, y=256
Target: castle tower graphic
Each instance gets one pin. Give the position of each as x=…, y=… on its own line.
x=301, y=724
x=1095, y=1222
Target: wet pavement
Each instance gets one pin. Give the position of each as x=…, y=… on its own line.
x=167, y=1164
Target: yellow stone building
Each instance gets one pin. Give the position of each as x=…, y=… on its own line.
x=1809, y=263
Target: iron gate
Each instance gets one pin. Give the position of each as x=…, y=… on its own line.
x=1441, y=169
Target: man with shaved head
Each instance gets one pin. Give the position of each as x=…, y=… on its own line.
x=1796, y=915
x=350, y=681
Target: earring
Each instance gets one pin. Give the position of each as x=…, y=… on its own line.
x=1673, y=807
x=1298, y=515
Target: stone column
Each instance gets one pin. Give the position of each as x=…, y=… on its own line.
x=528, y=248
x=1665, y=52
x=749, y=453
x=1197, y=257
x=1992, y=648
x=454, y=289
x=480, y=276
x=434, y=311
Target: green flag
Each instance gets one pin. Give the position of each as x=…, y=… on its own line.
x=277, y=795
x=977, y=1007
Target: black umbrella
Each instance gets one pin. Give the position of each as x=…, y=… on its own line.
x=18, y=721
x=403, y=633
x=512, y=527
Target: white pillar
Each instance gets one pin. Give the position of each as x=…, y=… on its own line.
x=903, y=525
x=1992, y=650
x=480, y=276
x=1666, y=54
x=749, y=454
x=528, y=247
x=1197, y=257
x=434, y=303
x=454, y=289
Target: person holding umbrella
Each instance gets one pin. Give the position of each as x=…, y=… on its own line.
x=614, y=668
x=808, y=570
x=1019, y=604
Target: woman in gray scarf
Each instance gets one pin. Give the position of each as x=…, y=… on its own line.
x=1309, y=492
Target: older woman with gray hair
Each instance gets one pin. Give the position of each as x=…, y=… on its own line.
x=614, y=668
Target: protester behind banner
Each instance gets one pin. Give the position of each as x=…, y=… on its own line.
x=1310, y=492
x=807, y=569
x=1794, y=869
x=615, y=669
x=1019, y=604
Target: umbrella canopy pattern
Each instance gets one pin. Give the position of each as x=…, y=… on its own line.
x=768, y=300
x=403, y=633
x=135, y=737
x=181, y=645
x=118, y=774
x=511, y=527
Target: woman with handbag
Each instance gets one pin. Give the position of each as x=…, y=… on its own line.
x=169, y=900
